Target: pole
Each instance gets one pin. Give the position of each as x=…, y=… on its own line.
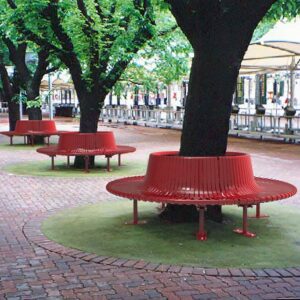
x=292, y=85
x=257, y=89
x=20, y=106
x=49, y=97
x=249, y=94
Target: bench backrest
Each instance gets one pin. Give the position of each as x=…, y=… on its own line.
x=35, y=125
x=26, y=125
x=105, y=140
x=47, y=125
x=72, y=141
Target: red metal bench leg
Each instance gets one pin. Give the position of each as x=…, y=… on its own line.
x=244, y=231
x=201, y=234
x=119, y=159
x=68, y=161
x=11, y=140
x=258, y=215
x=48, y=140
x=108, y=163
x=86, y=164
x=135, y=220
x=32, y=140
x=52, y=162
x=135, y=212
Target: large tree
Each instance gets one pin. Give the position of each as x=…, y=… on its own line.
x=219, y=32
x=95, y=39
x=30, y=61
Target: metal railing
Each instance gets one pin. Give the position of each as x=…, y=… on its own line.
x=3, y=107
x=242, y=124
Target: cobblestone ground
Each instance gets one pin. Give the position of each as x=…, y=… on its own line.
x=28, y=271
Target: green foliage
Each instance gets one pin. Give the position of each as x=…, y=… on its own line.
x=166, y=58
x=283, y=9
x=36, y=103
x=100, y=38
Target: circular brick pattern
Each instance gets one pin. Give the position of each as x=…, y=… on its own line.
x=33, y=232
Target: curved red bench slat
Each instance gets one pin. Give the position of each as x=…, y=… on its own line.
x=86, y=144
x=32, y=128
x=219, y=180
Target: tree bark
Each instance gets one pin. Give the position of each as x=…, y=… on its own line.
x=10, y=89
x=220, y=32
x=13, y=114
x=90, y=105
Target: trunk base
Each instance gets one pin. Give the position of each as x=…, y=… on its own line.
x=37, y=140
x=189, y=213
x=179, y=213
x=79, y=162
x=214, y=213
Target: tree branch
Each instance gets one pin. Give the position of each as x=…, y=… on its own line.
x=99, y=10
x=7, y=88
x=21, y=27
x=50, y=70
x=167, y=31
x=41, y=68
x=92, y=35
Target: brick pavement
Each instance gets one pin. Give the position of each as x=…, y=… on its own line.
x=33, y=268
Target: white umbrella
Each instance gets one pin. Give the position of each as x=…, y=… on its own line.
x=278, y=50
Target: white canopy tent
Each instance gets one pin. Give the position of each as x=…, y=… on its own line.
x=278, y=50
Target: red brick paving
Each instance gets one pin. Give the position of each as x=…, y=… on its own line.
x=31, y=267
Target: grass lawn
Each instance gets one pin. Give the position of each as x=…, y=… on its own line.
x=43, y=168
x=20, y=146
x=100, y=229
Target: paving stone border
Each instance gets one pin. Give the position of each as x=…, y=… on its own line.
x=33, y=233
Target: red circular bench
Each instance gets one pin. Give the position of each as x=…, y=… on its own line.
x=86, y=144
x=31, y=128
x=201, y=181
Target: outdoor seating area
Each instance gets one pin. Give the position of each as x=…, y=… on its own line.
x=86, y=145
x=31, y=128
x=203, y=97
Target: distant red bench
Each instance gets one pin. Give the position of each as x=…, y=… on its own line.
x=31, y=128
x=86, y=144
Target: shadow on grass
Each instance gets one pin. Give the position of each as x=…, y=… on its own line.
x=100, y=229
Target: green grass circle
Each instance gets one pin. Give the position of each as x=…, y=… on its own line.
x=43, y=168
x=100, y=229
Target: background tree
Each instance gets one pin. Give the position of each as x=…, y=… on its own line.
x=163, y=60
x=96, y=40
x=9, y=87
x=30, y=61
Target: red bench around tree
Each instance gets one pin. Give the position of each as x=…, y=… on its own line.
x=86, y=145
x=31, y=128
x=201, y=181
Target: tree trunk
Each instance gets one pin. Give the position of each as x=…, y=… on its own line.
x=13, y=114
x=10, y=90
x=220, y=32
x=90, y=104
x=34, y=113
